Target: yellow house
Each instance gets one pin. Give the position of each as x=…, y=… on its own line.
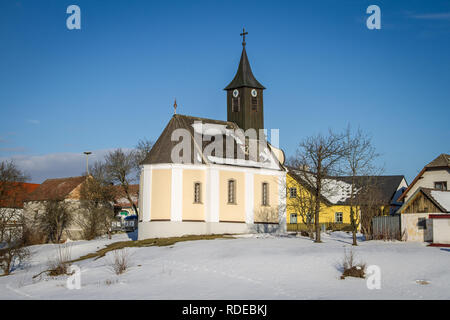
x=299, y=205
x=335, y=209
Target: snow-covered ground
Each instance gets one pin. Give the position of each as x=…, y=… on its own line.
x=249, y=267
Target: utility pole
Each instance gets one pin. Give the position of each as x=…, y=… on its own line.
x=87, y=153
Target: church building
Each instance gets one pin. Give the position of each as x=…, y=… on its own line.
x=207, y=176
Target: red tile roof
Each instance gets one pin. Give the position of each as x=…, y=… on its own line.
x=12, y=194
x=55, y=189
x=120, y=198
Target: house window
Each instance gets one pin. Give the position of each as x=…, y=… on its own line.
x=231, y=191
x=292, y=192
x=255, y=103
x=422, y=223
x=265, y=194
x=338, y=217
x=197, y=192
x=293, y=219
x=441, y=185
x=309, y=218
x=236, y=104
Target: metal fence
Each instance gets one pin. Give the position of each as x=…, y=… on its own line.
x=386, y=227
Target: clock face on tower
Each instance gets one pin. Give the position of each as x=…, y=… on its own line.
x=235, y=93
x=254, y=93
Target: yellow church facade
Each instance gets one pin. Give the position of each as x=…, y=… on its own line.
x=204, y=199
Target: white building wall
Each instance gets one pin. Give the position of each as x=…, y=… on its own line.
x=441, y=230
x=428, y=179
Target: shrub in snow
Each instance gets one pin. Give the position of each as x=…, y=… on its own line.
x=350, y=267
x=121, y=261
x=59, y=265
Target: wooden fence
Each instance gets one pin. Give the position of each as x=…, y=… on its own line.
x=386, y=227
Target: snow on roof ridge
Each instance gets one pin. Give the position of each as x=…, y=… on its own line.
x=442, y=197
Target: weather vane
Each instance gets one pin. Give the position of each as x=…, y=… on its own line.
x=243, y=36
x=175, y=106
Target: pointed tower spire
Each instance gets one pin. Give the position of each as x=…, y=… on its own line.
x=244, y=76
x=245, y=105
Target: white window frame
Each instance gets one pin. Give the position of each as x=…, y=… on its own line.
x=293, y=215
x=293, y=193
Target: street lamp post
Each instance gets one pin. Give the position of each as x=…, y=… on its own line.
x=87, y=153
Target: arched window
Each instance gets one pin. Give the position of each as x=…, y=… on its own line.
x=197, y=192
x=265, y=194
x=231, y=191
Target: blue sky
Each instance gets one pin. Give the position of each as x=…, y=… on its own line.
x=114, y=81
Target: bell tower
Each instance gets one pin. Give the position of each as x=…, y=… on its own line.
x=245, y=96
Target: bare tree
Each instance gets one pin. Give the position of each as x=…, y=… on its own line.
x=370, y=199
x=142, y=150
x=55, y=219
x=97, y=195
x=12, y=250
x=120, y=166
x=359, y=166
x=317, y=158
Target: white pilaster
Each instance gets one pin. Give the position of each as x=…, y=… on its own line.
x=212, y=200
x=249, y=198
x=145, y=193
x=177, y=195
x=282, y=200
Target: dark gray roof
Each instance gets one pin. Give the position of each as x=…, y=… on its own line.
x=162, y=149
x=385, y=187
x=244, y=76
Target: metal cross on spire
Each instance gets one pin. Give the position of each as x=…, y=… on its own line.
x=243, y=36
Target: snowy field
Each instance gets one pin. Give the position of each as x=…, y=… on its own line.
x=249, y=267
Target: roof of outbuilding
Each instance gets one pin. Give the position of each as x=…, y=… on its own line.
x=55, y=189
x=440, y=198
x=120, y=198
